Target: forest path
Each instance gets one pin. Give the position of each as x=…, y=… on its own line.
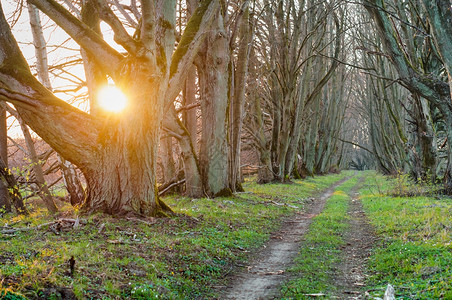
x=359, y=239
x=265, y=274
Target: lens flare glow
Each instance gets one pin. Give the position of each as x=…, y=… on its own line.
x=112, y=99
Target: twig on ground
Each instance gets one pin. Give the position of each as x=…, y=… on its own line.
x=9, y=230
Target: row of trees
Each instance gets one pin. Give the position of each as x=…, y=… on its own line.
x=402, y=87
x=201, y=77
x=309, y=86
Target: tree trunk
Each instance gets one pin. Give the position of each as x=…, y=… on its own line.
x=5, y=204
x=167, y=159
x=122, y=179
x=190, y=118
x=237, y=102
x=44, y=192
x=169, y=168
x=265, y=173
x=214, y=82
x=117, y=154
x=13, y=187
x=193, y=182
x=77, y=194
x=124, y=182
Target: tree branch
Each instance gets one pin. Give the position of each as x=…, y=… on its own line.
x=107, y=57
x=432, y=89
x=191, y=40
x=356, y=145
x=120, y=34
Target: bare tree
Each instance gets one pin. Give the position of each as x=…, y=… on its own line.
x=117, y=155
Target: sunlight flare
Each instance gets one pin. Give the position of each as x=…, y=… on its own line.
x=112, y=99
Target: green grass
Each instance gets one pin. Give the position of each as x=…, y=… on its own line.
x=178, y=258
x=415, y=252
x=320, y=250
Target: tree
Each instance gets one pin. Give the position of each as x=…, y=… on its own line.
x=298, y=46
x=221, y=70
x=238, y=81
x=429, y=86
x=117, y=154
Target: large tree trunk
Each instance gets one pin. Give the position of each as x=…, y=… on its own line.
x=123, y=181
x=214, y=82
x=121, y=177
x=74, y=187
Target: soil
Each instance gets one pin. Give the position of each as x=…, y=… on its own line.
x=265, y=274
x=359, y=240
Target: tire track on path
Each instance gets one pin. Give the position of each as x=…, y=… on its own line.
x=265, y=274
x=359, y=239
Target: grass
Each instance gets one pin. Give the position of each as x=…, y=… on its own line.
x=415, y=252
x=183, y=257
x=320, y=250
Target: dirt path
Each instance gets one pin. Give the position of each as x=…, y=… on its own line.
x=359, y=239
x=264, y=275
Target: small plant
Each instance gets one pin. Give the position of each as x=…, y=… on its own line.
x=144, y=291
x=406, y=186
x=7, y=294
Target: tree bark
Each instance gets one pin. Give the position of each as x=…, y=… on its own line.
x=237, y=102
x=5, y=204
x=214, y=82
x=44, y=192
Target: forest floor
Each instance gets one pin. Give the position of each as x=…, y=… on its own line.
x=340, y=236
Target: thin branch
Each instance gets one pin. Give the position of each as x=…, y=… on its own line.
x=357, y=145
x=188, y=107
x=125, y=14
x=120, y=34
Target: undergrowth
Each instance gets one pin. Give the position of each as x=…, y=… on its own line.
x=183, y=257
